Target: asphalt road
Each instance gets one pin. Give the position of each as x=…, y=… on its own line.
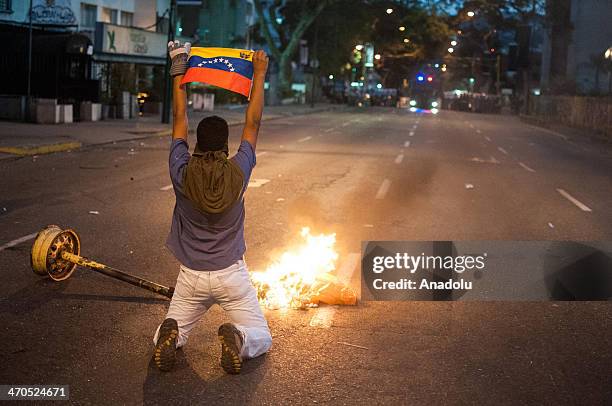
x=377, y=174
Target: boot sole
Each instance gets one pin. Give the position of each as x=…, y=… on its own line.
x=165, y=350
x=230, y=354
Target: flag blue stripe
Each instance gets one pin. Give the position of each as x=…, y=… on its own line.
x=235, y=65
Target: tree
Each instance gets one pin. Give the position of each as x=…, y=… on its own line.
x=283, y=24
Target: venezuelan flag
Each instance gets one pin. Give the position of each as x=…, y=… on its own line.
x=228, y=68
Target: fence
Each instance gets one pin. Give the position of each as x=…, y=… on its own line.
x=592, y=113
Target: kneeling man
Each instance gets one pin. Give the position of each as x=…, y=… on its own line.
x=207, y=233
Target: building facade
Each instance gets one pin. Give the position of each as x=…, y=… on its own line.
x=94, y=50
x=579, y=34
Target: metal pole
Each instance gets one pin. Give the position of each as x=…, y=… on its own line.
x=117, y=274
x=29, y=86
x=167, y=80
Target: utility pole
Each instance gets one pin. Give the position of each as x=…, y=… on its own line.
x=29, y=86
x=167, y=80
x=315, y=64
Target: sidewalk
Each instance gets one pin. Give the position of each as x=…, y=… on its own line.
x=21, y=139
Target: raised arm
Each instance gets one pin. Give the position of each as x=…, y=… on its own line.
x=179, y=55
x=256, y=104
x=180, y=125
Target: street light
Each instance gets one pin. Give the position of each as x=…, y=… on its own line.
x=377, y=57
x=389, y=10
x=451, y=50
x=402, y=28
x=331, y=77
x=406, y=40
x=359, y=47
x=608, y=53
x=454, y=43
x=471, y=14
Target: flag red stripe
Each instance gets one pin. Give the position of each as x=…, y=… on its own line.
x=227, y=80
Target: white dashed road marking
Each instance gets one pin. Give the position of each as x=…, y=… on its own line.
x=526, y=167
x=258, y=182
x=411, y=134
x=18, y=241
x=406, y=144
x=503, y=151
x=305, y=139
x=329, y=130
x=383, y=189
x=487, y=138
x=572, y=199
x=324, y=317
x=164, y=188
x=399, y=158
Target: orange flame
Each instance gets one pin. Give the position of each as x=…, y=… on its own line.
x=290, y=281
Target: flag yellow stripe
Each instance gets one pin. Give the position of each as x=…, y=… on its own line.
x=219, y=52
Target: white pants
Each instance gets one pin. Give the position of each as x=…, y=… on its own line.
x=196, y=291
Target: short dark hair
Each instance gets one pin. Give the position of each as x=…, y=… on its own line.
x=212, y=134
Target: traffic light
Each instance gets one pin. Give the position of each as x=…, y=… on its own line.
x=429, y=78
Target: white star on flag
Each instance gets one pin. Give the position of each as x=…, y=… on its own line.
x=216, y=60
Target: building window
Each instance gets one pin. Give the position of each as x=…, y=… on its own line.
x=109, y=15
x=5, y=6
x=88, y=15
x=127, y=18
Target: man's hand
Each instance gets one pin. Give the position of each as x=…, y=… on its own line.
x=255, y=108
x=260, y=62
x=179, y=55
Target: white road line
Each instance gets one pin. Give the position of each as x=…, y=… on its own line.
x=345, y=124
x=164, y=188
x=478, y=131
x=18, y=241
x=324, y=317
x=411, y=134
x=546, y=130
x=383, y=189
x=572, y=199
x=399, y=158
x=406, y=144
x=526, y=167
x=262, y=153
x=305, y=139
x=329, y=130
x=487, y=138
x=258, y=182
x=503, y=151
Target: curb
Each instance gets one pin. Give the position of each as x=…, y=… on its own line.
x=66, y=146
x=41, y=149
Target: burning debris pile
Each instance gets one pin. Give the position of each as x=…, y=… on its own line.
x=302, y=277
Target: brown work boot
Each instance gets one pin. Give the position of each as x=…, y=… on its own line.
x=165, y=349
x=231, y=345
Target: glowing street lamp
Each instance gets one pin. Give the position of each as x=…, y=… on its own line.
x=389, y=10
x=454, y=43
x=451, y=50
x=406, y=40
x=402, y=28
x=331, y=77
x=471, y=14
x=377, y=57
x=359, y=47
